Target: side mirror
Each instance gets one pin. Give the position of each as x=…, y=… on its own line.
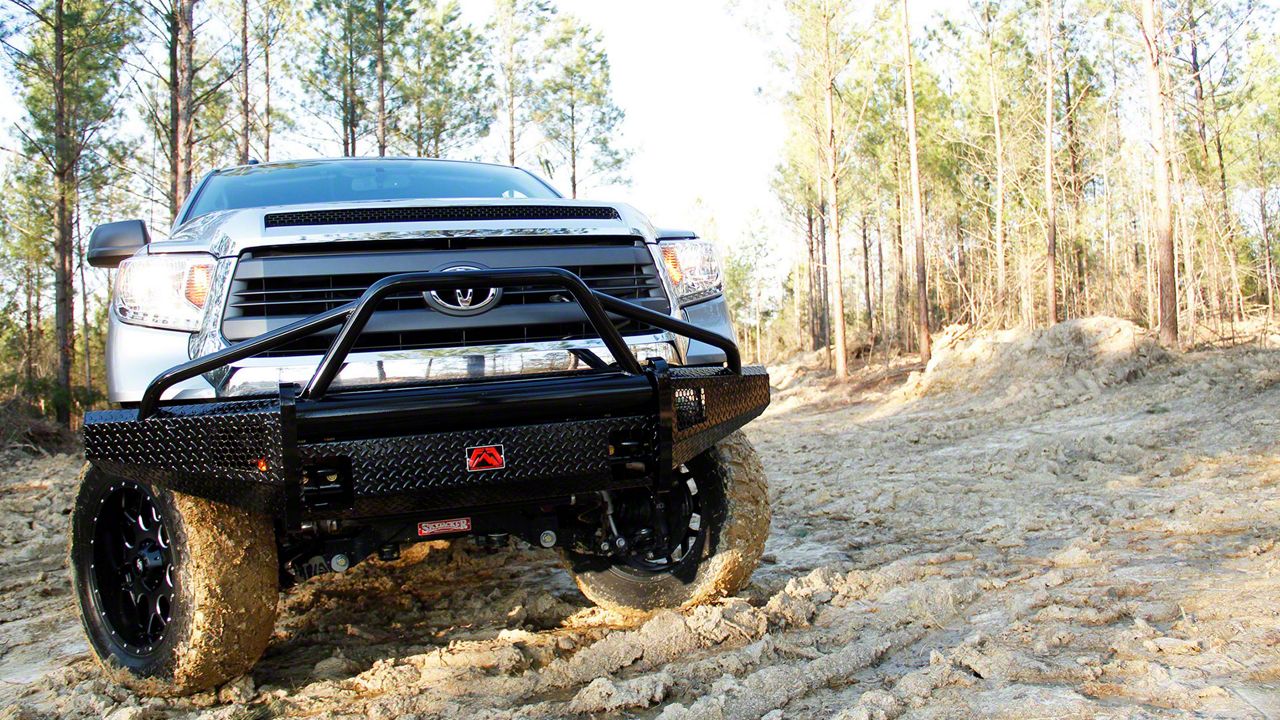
x=110, y=243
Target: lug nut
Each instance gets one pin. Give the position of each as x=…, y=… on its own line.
x=547, y=538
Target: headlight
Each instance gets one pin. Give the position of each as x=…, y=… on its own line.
x=693, y=267
x=164, y=291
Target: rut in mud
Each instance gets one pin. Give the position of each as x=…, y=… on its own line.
x=1060, y=524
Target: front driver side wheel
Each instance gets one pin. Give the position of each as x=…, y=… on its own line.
x=177, y=594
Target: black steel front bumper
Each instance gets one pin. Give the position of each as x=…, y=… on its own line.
x=362, y=453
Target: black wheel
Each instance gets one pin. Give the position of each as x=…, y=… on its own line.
x=131, y=570
x=716, y=519
x=176, y=594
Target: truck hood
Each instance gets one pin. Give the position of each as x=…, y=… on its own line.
x=228, y=233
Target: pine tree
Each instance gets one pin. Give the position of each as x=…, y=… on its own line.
x=389, y=20
x=575, y=109
x=68, y=66
x=917, y=207
x=516, y=34
x=830, y=51
x=1153, y=41
x=184, y=99
x=276, y=22
x=342, y=75
x=448, y=89
x=1050, y=194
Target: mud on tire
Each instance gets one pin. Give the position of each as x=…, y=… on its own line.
x=176, y=594
x=734, y=503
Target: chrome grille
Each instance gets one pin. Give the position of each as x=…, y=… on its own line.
x=275, y=286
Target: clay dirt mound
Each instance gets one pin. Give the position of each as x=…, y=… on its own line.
x=1068, y=362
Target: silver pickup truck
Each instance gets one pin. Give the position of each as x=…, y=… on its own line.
x=329, y=359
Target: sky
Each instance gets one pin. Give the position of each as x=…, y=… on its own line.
x=696, y=86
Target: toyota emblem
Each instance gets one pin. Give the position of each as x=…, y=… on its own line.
x=462, y=301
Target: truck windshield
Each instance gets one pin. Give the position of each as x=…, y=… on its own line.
x=321, y=181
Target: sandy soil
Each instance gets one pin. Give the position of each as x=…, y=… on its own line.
x=1069, y=524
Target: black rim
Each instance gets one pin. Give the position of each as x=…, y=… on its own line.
x=131, y=575
x=675, y=513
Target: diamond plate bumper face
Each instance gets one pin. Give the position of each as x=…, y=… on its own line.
x=212, y=450
x=409, y=473
x=710, y=403
x=247, y=452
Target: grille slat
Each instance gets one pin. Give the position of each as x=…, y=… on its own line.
x=271, y=288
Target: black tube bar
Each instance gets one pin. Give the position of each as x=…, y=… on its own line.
x=241, y=350
x=680, y=327
x=331, y=364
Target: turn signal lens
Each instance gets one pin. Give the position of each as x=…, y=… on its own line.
x=671, y=257
x=197, y=291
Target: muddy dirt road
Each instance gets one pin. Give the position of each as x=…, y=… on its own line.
x=1066, y=525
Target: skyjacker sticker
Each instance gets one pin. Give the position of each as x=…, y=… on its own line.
x=440, y=527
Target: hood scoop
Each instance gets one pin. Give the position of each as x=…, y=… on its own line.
x=437, y=213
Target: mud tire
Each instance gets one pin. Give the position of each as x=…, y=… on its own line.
x=225, y=589
x=735, y=497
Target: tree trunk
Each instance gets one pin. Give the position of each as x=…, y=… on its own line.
x=866, y=277
x=87, y=352
x=992, y=87
x=266, y=96
x=509, y=92
x=1166, y=270
x=824, y=284
x=175, y=101
x=64, y=203
x=29, y=323
x=1110, y=123
x=349, y=87
x=812, y=278
x=419, y=132
x=1226, y=226
x=900, y=265
x=1197, y=80
x=1075, y=186
x=1051, y=209
x=917, y=207
x=833, y=201
x=380, y=69
x=511, y=118
x=1188, y=253
x=1264, y=185
x=880, y=274
x=185, y=96
x=242, y=146
x=573, y=148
